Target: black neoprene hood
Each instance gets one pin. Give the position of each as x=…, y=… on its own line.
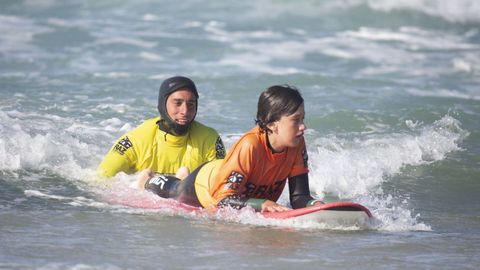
x=167, y=87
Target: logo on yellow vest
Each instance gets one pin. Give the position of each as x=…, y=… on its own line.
x=123, y=146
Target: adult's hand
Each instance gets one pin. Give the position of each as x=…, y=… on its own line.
x=143, y=177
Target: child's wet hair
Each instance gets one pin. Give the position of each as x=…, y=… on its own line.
x=275, y=102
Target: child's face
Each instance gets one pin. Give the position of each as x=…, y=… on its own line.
x=288, y=131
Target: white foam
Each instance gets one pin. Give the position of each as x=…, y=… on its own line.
x=414, y=38
x=348, y=168
x=150, y=17
x=67, y=23
x=87, y=62
x=74, y=201
x=216, y=31
x=257, y=63
x=151, y=56
x=454, y=11
x=467, y=62
x=302, y=8
x=112, y=75
x=48, y=145
x=118, y=108
x=461, y=65
x=160, y=76
x=259, y=55
x=127, y=41
x=77, y=266
x=444, y=93
x=11, y=75
x=388, y=50
x=393, y=215
x=18, y=33
x=111, y=124
x=355, y=169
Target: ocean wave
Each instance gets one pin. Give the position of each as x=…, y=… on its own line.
x=384, y=51
x=415, y=38
x=350, y=168
x=444, y=93
x=41, y=146
x=356, y=169
x=18, y=34
x=461, y=11
x=454, y=11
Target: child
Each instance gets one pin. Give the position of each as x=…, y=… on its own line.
x=255, y=171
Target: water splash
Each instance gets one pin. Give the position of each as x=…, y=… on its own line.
x=43, y=145
x=355, y=169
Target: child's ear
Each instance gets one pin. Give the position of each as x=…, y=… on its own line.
x=273, y=126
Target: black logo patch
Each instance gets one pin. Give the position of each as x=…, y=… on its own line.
x=123, y=146
x=220, y=148
x=233, y=201
x=158, y=180
x=234, y=180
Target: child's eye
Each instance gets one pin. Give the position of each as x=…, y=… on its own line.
x=298, y=120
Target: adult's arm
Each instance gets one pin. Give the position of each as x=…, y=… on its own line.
x=117, y=159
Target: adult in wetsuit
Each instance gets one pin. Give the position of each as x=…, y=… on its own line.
x=169, y=142
x=258, y=166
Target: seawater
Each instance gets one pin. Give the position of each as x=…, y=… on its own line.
x=392, y=99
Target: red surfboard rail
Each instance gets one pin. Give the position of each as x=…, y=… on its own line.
x=336, y=206
x=178, y=206
x=160, y=203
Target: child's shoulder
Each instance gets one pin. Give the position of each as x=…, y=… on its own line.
x=252, y=139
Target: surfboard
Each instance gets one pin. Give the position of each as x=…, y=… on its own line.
x=334, y=213
x=342, y=213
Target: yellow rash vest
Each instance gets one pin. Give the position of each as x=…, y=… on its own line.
x=149, y=147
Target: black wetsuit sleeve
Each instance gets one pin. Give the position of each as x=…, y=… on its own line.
x=299, y=191
x=165, y=186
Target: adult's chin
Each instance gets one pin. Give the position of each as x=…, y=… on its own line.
x=181, y=129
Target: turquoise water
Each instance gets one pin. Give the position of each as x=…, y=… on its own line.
x=392, y=100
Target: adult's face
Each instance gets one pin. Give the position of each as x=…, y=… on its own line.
x=181, y=106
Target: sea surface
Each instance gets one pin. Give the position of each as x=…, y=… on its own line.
x=392, y=96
